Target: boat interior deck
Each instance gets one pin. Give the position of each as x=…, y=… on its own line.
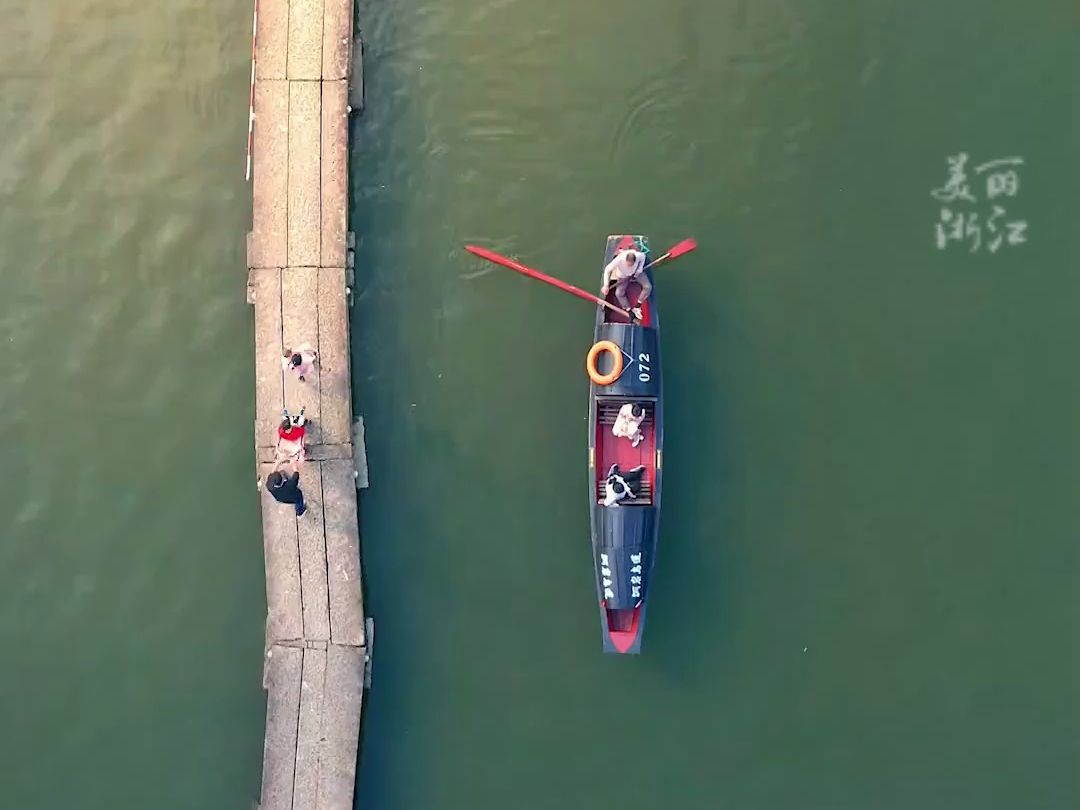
x=632, y=291
x=612, y=449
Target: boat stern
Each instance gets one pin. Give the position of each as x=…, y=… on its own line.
x=622, y=629
x=624, y=557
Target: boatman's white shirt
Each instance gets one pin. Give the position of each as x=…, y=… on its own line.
x=619, y=270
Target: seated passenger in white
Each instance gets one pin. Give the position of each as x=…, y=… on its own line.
x=620, y=485
x=628, y=423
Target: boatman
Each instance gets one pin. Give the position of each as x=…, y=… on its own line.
x=628, y=265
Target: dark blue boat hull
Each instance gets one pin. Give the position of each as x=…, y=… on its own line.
x=625, y=538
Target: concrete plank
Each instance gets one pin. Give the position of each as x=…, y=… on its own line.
x=335, y=179
x=270, y=163
x=342, y=553
x=299, y=326
x=272, y=39
x=305, y=39
x=360, y=465
x=284, y=609
x=283, y=673
x=312, y=541
x=305, y=123
x=335, y=384
x=315, y=452
x=269, y=388
x=310, y=744
x=342, y=706
x=337, y=38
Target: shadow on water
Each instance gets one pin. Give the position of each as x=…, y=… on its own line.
x=695, y=601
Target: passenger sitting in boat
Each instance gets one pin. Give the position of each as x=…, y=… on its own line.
x=620, y=485
x=290, y=441
x=627, y=266
x=628, y=423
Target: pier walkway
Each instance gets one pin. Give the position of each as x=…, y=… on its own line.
x=299, y=265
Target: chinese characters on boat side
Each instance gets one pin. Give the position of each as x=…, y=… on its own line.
x=635, y=576
x=962, y=220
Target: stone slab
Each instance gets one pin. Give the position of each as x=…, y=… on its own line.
x=356, y=78
x=335, y=168
x=343, y=703
x=337, y=39
x=342, y=553
x=315, y=452
x=284, y=608
x=272, y=39
x=305, y=39
x=299, y=326
x=282, y=680
x=312, y=541
x=265, y=288
x=336, y=387
x=369, y=650
x=360, y=454
x=310, y=744
x=270, y=162
x=305, y=124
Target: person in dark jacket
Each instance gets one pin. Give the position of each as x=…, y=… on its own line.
x=286, y=490
x=620, y=485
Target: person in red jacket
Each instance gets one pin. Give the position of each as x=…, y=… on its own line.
x=290, y=441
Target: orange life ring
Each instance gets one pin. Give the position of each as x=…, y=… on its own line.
x=608, y=347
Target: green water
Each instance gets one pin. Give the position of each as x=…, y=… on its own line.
x=865, y=589
x=864, y=595
x=131, y=584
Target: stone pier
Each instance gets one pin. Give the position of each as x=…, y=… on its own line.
x=299, y=261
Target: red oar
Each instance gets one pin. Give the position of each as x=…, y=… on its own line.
x=685, y=246
x=491, y=256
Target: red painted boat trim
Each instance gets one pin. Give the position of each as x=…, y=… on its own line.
x=624, y=639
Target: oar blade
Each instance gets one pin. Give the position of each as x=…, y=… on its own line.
x=685, y=246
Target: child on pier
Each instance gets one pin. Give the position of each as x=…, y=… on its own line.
x=300, y=361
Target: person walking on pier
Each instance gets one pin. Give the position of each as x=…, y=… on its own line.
x=300, y=361
x=287, y=490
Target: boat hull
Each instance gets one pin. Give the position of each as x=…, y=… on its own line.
x=625, y=536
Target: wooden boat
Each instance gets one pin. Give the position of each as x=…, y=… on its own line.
x=624, y=535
